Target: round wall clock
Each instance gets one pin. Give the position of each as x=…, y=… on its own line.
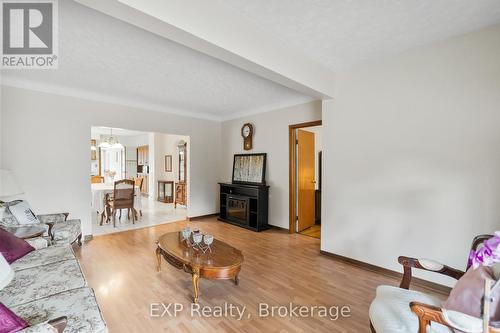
x=247, y=133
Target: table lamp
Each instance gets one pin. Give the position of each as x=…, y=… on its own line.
x=9, y=186
x=6, y=273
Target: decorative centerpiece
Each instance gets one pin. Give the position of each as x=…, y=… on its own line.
x=197, y=240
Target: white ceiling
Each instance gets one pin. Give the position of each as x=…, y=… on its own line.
x=343, y=33
x=102, y=57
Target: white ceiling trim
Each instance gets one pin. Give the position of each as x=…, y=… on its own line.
x=227, y=35
x=267, y=108
x=8, y=81
x=98, y=97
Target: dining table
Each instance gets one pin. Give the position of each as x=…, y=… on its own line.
x=99, y=191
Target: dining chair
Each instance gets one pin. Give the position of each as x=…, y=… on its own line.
x=96, y=179
x=123, y=198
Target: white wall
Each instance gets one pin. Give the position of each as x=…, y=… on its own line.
x=132, y=140
x=271, y=137
x=412, y=154
x=45, y=141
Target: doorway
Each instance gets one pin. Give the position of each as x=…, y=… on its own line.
x=158, y=166
x=305, y=178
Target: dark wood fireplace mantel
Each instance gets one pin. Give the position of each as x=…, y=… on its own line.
x=244, y=205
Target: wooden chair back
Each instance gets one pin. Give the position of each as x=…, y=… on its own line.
x=123, y=194
x=96, y=179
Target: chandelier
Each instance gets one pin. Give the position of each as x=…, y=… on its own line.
x=111, y=142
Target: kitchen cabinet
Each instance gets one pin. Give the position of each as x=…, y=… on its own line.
x=143, y=155
x=143, y=167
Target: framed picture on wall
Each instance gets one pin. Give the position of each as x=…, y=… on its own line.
x=249, y=169
x=168, y=163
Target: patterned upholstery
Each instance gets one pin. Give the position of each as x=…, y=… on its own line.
x=66, y=232
x=38, y=242
x=16, y=225
x=8, y=221
x=39, y=328
x=42, y=281
x=48, y=255
x=78, y=305
x=6, y=218
x=51, y=218
x=49, y=283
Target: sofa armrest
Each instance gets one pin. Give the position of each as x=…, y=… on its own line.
x=52, y=218
x=52, y=326
x=427, y=265
x=38, y=242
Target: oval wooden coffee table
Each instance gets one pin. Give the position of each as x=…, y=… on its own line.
x=222, y=263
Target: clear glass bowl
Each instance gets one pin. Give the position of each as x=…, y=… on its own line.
x=186, y=232
x=208, y=239
x=197, y=237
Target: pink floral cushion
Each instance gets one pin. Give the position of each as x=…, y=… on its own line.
x=12, y=247
x=9, y=321
x=467, y=295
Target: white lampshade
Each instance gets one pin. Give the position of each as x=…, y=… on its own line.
x=6, y=273
x=8, y=184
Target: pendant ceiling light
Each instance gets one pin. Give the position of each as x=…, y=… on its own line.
x=111, y=142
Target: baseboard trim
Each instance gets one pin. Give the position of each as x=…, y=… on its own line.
x=278, y=228
x=436, y=287
x=200, y=217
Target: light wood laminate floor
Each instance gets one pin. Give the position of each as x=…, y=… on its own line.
x=314, y=231
x=279, y=268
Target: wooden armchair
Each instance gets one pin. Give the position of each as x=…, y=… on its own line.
x=418, y=303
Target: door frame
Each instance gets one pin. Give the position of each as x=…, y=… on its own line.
x=292, y=168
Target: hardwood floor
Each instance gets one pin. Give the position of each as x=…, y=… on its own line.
x=314, y=231
x=278, y=268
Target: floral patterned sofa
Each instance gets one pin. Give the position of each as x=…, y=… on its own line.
x=59, y=228
x=48, y=283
